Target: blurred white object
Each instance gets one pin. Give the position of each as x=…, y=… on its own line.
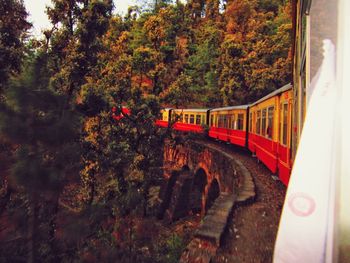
x=303, y=230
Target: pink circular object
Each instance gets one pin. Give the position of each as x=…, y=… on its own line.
x=301, y=204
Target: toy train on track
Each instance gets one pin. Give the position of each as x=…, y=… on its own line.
x=264, y=127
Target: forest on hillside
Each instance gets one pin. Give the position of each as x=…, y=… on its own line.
x=74, y=185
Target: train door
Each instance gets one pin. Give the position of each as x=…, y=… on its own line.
x=249, y=129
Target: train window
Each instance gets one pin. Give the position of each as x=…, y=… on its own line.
x=211, y=120
x=198, y=119
x=250, y=122
x=263, y=122
x=181, y=118
x=269, y=130
x=285, y=123
x=254, y=122
x=186, y=118
x=221, y=124
x=240, y=122
x=228, y=121
x=173, y=116
x=280, y=124
x=258, y=122
x=192, y=118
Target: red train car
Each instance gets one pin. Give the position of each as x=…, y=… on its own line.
x=189, y=120
x=269, y=134
x=264, y=127
x=229, y=124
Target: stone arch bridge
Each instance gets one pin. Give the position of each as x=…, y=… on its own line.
x=202, y=178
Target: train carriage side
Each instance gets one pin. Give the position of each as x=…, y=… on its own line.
x=264, y=133
x=229, y=124
x=252, y=126
x=284, y=138
x=165, y=115
x=189, y=120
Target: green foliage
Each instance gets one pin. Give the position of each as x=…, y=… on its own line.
x=45, y=133
x=77, y=41
x=13, y=29
x=38, y=121
x=172, y=249
x=143, y=60
x=255, y=57
x=179, y=93
x=204, y=62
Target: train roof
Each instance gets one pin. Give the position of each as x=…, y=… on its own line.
x=239, y=107
x=191, y=110
x=274, y=93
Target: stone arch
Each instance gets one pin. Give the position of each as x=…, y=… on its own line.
x=185, y=168
x=203, y=166
x=200, y=181
x=213, y=193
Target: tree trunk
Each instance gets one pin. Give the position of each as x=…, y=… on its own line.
x=52, y=225
x=6, y=198
x=130, y=237
x=33, y=229
x=145, y=195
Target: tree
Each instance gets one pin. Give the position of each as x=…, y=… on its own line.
x=143, y=61
x=75, y=51
x=161, y=32
x=120, y=156
x=212, y=9
x=13, y=32
x=255, y=58
x=116, y=150
x=203, y=64
x=77, y=41
x=179, y=93
x=153, y=6
x=197, y=8
x=44, y=130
